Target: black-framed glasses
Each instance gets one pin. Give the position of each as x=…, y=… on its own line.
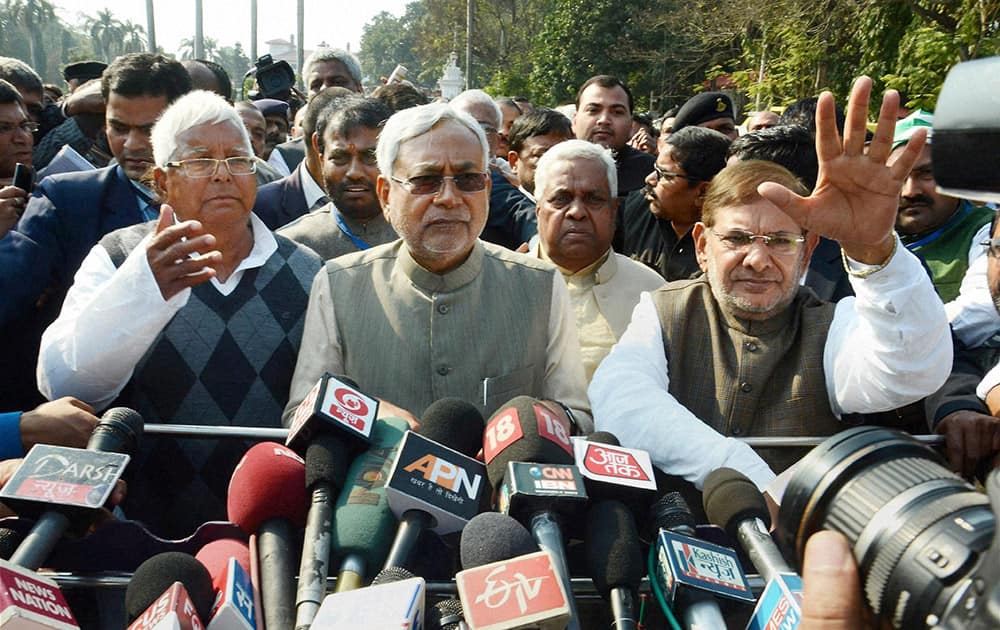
x=431, y=184
x=663, y=174
x=992, y=247
x=782, y=243
x=27, y=126
x=208, y=167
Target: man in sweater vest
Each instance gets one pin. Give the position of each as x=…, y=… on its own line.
x=439, y=312
x=745, y=350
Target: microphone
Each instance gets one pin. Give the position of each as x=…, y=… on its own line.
x=363, y=522
x=81, y=480
x=491, y=537
x=734, y=502
x=529, y=457
x=326, y=469
x=267, y=497
x=28, y=600
x=432, y=485
x=389, y=604
x=447, y=614
x=692, y=572
x=614, y=560
x=171, y=590
x=228, y=562
x=334, y=404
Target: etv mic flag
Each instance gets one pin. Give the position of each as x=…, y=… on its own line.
x=516, y=593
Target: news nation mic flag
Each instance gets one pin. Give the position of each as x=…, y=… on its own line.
x=31, y=602
x=435, y=479
x=173, y=610
x=336, y=405
x=521, y=592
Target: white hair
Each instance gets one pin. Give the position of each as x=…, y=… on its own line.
x=325, y=53
x=409, y=123
x=199, y=107
x=471, y=98
x=576, y=150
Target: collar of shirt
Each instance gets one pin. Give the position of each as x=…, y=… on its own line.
x=527, y=194
x=310, y=189
x=441, y=283
x=601, y=270
x=144, y=198
x=263, y=246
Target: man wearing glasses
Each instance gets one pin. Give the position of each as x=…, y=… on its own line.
x=440, y=313
x=744, y=350
x=654, y=226
x=15, y=146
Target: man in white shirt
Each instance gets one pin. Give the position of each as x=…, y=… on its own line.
x=743, y=350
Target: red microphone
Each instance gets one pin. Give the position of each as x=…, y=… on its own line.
x=267, y=497
x=228, y=562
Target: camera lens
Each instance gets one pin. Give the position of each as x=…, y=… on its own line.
x=917, y=529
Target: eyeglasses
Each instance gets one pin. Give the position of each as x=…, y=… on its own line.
x=669, y=176
x=431, y=184
x=207, y=167
x=27, y=126
x=992, y=247
x=780, y=243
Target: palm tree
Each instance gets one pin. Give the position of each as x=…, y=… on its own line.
x=133, y=38
x=33, y=15
x=106, y=32
x=210, y=49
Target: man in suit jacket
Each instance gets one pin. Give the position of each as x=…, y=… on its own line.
x=69, y=213
x=290, y=197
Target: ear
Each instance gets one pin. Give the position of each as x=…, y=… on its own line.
x=160, y=182
x=700, y=197
x=314, y=141
x=512, y=160
x=382, y=190
x=812, y=240
x=700, y=235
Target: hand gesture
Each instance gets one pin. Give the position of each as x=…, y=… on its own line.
x=13, y=201
x=857, y=192
x=969, y=437
x=174, y=256
x=63, y=422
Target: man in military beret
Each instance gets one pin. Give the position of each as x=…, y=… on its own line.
x=78, y=73
x=713, y=110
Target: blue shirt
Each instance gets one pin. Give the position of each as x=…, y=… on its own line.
x=10, y=435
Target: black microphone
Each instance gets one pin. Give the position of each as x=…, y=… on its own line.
x=491, y=537
x=447, y=614
x=614, y=560
x=435, y=486
x=529, y=453
x=326, y=468
x=155, y=577
x=734, y=503
x=118, y=431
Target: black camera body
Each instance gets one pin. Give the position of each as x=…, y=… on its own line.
x=275, y=79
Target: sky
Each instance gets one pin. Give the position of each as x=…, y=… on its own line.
x=335, y=22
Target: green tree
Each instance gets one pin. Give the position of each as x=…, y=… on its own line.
x=388, y=40
x=210, y=47
x=235, y=61
x=105, y=33
x=32, y=15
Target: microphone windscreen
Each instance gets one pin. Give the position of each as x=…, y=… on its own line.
x=730, y=497
x=614, y=557
x=154, y=576
x=216, y=554
x=603, y=437
x=118, y=431
x=491, y=537
x=363, y=523
x=327, y=458
x=454, y=423
x=270, y=481
x=521, y=431
x=444, y=615
x=672, y=512
x=392, y=574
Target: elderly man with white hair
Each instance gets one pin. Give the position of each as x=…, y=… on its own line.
x=576, y=185
x=193, y=318
x=441, y=313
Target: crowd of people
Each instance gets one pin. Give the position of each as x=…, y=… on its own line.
x=674, y=282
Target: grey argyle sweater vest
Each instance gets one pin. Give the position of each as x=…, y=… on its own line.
x=748, y=378
x=221, y=360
